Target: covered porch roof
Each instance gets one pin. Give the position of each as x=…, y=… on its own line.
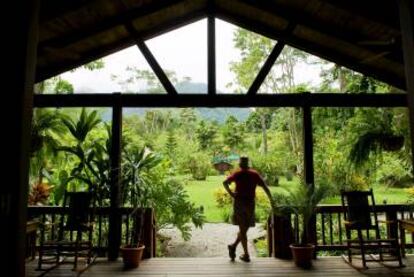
x=362, y=35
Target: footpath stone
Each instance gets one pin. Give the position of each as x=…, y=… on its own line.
x=210, y=241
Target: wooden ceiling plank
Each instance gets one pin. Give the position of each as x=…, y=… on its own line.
x=313, y=48
x=88, y=31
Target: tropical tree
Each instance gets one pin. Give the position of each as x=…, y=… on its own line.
x=233, y=133
x=84, y=153
x=281, y=79
x=46, y=127
x=206, y=133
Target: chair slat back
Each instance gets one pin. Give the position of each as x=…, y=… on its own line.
x=79, y=209
x=358, y=208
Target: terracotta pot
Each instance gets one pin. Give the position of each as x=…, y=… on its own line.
x=131, y=256
x=302, y=254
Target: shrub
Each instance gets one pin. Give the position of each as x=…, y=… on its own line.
x=199, y=166
x=222, y=198
x=269, y=166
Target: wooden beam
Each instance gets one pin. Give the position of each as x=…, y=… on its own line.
x=211, y=54
x=44, y=73
x=307, y=145
x=224, y=100
x=21, y=63
x=108, y=23
x=271, y=59
x=407, y=22
x=115, y=224
x=310, y=47
x=315, y=23
x=156, y=68
x=267, y=66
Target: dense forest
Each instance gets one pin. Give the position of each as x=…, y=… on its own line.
x=353, y=147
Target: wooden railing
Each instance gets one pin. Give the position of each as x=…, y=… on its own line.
x=327, y=230
x=53, y=215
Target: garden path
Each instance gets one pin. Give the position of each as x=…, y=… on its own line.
x=210, y=241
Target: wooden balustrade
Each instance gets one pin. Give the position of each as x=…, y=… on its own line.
x=53, y=214
x=326, y=230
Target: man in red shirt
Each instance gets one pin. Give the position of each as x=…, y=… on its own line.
x=246, y=180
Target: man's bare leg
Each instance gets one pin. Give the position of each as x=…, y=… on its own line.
x=242, y=236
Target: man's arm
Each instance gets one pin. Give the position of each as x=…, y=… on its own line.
x=226, y=184
x=267, y=191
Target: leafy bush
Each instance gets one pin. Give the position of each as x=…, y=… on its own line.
x=222, y=198
x=269, y=166
x=394, y=172
x=199, y=166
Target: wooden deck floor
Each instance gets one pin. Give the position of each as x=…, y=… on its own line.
x=260, y=267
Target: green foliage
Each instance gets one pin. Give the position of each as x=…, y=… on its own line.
x=146, y=184
x=63, y=87
x=302, y=201
x=269, y=166
x=199, y=165
x=83, y=125
x=233, y=133
x=171, y=145
x=206, y=133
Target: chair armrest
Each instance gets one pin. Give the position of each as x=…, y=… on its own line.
x=349, y=223
x=388, y=222
x=47, y=224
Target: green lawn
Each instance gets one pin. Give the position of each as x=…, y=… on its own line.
x=202, y=193
x=381, y=193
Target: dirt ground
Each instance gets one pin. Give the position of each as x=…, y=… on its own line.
x=210, y=241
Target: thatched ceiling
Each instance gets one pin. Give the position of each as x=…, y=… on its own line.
x=362, y=35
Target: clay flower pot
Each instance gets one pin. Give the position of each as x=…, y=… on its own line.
x=131, y=255
x=302, y=255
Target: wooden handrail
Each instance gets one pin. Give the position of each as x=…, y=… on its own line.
x=52, y=214
x=328, y=230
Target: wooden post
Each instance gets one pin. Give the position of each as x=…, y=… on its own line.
x=147, y=235
x=307, y=145
x=282, y=236
x=407, y=34
x=269, y=235
x=211, y=54
x=115, y=222
x=20, y=61
x=392, y=229
x=308, y=163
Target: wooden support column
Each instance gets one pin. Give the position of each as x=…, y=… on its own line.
x=407, y=34
x=307, y=144
x=308, y=164
x=211, y=54
x=20, y=61
x=115, y=223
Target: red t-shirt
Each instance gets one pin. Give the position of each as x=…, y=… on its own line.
x=246, y=181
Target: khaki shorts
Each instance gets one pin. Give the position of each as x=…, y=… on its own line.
x=243, y=212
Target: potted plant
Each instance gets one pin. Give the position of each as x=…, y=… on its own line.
x=303, y=202
x=132, y=252
x=136, y=188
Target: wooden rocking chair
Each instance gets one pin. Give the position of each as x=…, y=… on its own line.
x=361, y=218
x=79, y=221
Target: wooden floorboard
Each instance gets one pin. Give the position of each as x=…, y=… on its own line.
x=260, y=267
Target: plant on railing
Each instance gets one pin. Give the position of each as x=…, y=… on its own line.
x=302, y=201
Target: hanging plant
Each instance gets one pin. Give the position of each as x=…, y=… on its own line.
x=374, y=142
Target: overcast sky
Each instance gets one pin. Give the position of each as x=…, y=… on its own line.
x=184, y=51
